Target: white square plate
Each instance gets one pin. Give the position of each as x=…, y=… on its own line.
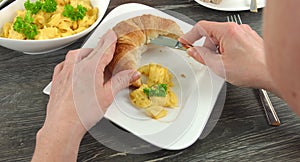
x=197, y=91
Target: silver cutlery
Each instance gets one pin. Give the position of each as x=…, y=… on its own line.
x=253, y=6
x=169, y=42
x=270, y=112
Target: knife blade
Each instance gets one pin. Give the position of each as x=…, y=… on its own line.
x=169, y=42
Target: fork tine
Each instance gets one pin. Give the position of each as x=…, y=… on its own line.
x=235, y=18
x=239, y=19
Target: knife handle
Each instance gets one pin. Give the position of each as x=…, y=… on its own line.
x=271, y=115
x=253, y=6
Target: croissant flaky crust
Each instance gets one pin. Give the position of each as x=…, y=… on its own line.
x=133, y=36
x=213, y=1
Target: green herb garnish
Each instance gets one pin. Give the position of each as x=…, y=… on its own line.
x=74, y=14
x=49, y=6
x=46, y=6
x=34, y=7
x=159, y=90
x=26, y=26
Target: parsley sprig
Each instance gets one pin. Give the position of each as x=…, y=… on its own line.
x=26, y=26
x=74, y=14
x=46, y=6
x=49, y=6
x=159, y=90
x=34, y=7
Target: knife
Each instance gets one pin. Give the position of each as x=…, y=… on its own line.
x=169, y=42
x=271, y=114
x=253, y=6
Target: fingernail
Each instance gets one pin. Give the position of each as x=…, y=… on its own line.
x=191, y=51
x=136, y=75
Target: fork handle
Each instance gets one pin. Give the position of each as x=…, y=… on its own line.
x=272, y=117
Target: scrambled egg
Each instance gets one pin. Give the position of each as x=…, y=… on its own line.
x=156, y=94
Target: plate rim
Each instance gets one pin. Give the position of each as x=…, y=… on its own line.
x=3, y=2
x=215, y=7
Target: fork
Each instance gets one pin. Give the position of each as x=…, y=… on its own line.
x=270, y=112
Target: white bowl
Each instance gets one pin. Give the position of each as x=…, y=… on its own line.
x=3, y=2
x=8, y=13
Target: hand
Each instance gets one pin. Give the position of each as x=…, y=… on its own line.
x=241, y=58
x=79, y=98
x=82, y=74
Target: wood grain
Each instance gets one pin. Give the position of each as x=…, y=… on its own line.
x=241, y=133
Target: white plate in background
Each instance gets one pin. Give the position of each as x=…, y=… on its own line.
x=232, y=5
x=199, y=94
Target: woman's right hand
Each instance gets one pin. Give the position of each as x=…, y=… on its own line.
x=240, y=58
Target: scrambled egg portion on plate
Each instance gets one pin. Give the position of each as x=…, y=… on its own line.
x=156, y=94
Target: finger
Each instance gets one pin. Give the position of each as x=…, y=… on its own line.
x=75, y=56
x=121, y=80
x=71, y=58
x=108, y=55
x=250, y=31
x=211, y=44
x=82, y=54
x=246, y=27
x=106, y=41
x=194, y=53
x=210, y=58
x=216, y=30
x=58, y=68
x=196, y=33
x=204, y=28
x=257, y=37
x=103, y=53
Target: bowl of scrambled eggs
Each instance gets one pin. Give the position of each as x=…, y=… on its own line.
x=42, y=26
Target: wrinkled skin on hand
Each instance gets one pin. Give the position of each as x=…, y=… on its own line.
x=79, y=94
x=79, y=98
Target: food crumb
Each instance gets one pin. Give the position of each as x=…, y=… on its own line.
x=182, y=75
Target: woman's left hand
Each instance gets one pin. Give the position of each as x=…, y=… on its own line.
x=80, y=96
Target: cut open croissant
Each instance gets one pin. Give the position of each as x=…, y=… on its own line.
x=133, y=36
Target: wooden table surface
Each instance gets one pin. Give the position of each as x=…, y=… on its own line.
x=241, y=133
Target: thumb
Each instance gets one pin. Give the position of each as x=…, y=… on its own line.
x=122, y=80
x=208, y=57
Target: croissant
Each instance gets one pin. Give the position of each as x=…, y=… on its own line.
x=133, y=36
x=213, y=1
